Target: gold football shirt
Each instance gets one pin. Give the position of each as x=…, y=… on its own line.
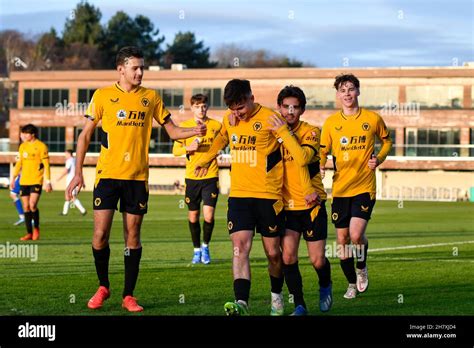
x=127, y=119
x=256, y=160
x=33, y=162
x=301, y=163
x=351, y=140
x=205, y=142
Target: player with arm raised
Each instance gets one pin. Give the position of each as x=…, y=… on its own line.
x=126, y=111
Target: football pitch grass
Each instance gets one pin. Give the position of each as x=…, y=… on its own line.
x=433, y=278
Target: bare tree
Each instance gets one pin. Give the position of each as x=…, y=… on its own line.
x=16, y=51
x=233, y=56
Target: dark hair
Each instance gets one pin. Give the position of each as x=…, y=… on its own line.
x=69, y=151
x=127, y=52
x=236, y=91
x=292, y=91
x=29, y=129
x=343, y=78
x=199, y=99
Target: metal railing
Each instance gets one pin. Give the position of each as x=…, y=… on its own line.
x=418, y=193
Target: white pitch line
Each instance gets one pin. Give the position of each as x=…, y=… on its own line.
x=420, y=246
x=417, y=259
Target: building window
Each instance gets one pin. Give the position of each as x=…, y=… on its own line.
x=45, y=98
x=436, y=97
x=319, y=97
x=432, y=142
x=376, y=97
x=471, y=141
x=54, y=137
x=94, y=145
x=172, y=98
x=85, y=95
x=160, y=141
x=214, y=95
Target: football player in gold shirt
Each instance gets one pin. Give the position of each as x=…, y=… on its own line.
x=349, y=135
x=33, y=163
x=126, y=111
x=199, y=189
x=255, y=201
x=304, y=216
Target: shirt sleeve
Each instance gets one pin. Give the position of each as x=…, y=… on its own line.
x=179, y=146
x=220, y=141
x=18, y=163
x=179, y=149
x=160, y=113
x=45, y=161
x=306, y=183
x=95, y=109
x=219, y=127
x=223, y=129
x=384, y=136
x=302, y=154
x=325, y=143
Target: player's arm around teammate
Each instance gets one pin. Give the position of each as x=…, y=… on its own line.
x=103, y=223
x=126, y=111
x=220, y=142
x=77, y=183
